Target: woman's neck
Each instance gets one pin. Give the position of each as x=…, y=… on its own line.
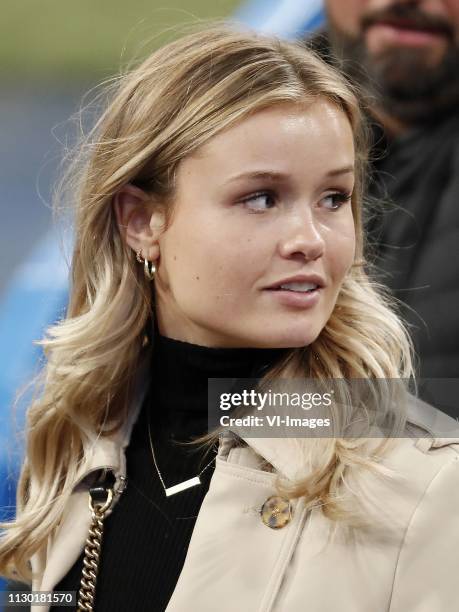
x=180, y=372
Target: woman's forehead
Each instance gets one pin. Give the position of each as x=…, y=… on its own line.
x=281, y=138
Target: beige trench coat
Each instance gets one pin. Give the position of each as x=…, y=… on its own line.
x=407, y=562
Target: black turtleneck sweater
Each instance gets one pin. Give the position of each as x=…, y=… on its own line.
x=147, y=535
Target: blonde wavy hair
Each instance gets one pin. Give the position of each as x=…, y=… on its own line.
x=155, y=115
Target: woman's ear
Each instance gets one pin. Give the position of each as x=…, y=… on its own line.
x=139, y=220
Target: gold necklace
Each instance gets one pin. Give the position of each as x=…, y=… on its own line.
x=181, y=486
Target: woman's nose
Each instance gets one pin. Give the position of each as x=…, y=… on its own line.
x=305, y=239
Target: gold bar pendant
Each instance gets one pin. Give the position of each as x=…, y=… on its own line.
x=186, y=484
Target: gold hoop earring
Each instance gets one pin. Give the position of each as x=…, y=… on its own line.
x=148, y=269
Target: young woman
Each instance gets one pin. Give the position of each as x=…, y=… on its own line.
x=226, y=166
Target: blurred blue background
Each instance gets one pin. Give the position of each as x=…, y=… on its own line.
x=46, y=71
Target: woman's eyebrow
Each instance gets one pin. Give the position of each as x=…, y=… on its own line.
x=258, y=174
x=273, y=175
x=343, y=170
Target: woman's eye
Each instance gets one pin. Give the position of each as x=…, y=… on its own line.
x=334, y=201
x=259, y=201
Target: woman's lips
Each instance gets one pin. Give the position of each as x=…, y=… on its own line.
x=296, y=299
x=384, y=34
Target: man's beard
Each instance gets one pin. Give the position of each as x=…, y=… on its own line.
x=400, y=79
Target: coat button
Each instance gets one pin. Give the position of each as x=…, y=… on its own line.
x=276, y=512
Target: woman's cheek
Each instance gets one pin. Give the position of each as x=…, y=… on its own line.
x=342, y=256
x=347, y=240
x=350, y=251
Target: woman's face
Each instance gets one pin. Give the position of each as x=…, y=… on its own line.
x=263, y=201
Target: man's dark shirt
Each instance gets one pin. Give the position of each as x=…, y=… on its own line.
x=417, y=238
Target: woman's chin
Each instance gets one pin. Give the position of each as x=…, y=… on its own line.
x=294, y=338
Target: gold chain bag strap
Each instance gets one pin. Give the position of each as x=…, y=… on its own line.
x=100, y=500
